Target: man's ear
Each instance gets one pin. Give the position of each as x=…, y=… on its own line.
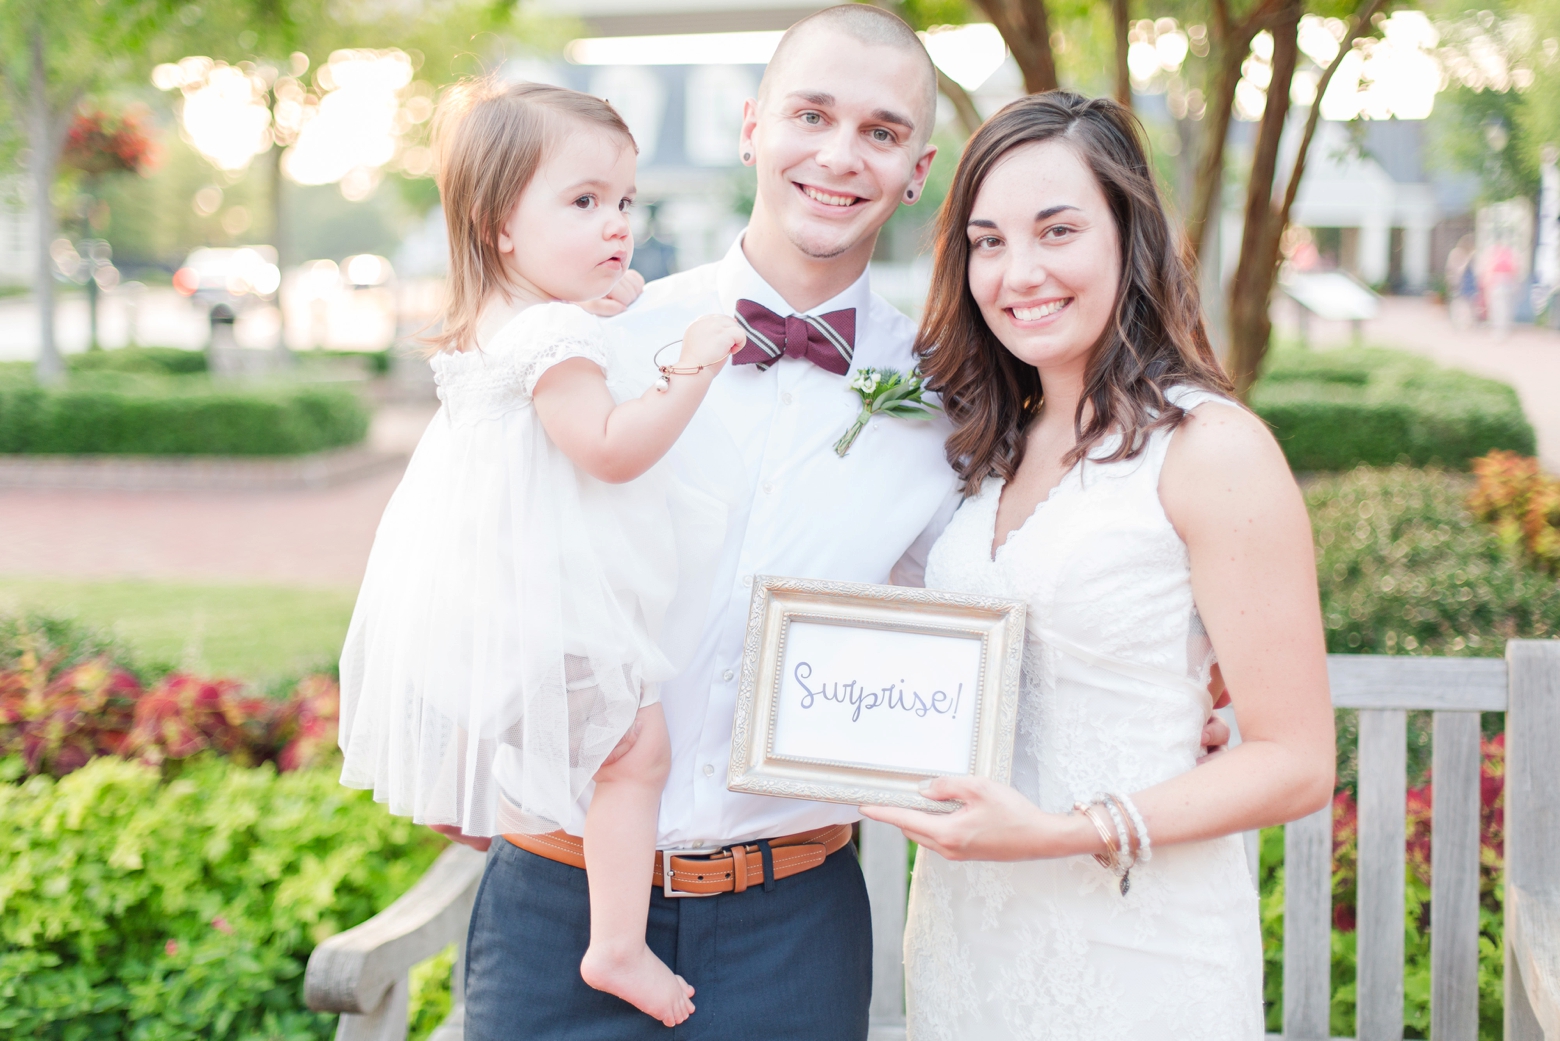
x=918, y=173
x=745, y=147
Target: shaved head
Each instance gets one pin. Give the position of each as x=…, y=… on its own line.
x=874, y=27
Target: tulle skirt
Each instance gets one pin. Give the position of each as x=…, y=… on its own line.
x=516, y=611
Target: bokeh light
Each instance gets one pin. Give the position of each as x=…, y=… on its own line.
x=353, y=132
x=224, y=114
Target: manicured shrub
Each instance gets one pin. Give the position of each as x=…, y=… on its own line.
x=156, y=361
x=1406, y=568
x=140, y=909
x=120, y=413
x=1335, y=410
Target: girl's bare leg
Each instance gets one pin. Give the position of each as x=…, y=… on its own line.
x=620, y=857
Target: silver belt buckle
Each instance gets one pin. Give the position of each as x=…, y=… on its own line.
x=666, y=869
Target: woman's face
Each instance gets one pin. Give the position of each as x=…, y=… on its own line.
x=1045, y=256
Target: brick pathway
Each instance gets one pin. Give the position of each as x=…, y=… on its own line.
x=302, y=537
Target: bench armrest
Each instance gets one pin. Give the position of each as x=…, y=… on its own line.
x=1536, y=943
x=352, y=971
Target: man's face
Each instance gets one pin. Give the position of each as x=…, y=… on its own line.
x=837, y=141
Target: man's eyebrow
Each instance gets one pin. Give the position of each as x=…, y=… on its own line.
x=813, y=97
x=1051, y=211
x=884, y=115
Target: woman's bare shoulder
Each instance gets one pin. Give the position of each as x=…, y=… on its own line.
x=1223, y=456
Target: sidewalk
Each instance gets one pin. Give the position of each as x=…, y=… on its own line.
x=296, y=538
x=1527, y=358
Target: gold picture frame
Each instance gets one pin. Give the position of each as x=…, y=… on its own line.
x=809, y=725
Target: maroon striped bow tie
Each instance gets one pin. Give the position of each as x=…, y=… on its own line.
x=826, y=340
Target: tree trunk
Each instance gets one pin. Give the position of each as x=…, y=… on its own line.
x=283, y=356
x=1208, y=190
x=43, y=139
x=1123, y=22
x=1026, y=28
x=1250, y=325
x=963, y=104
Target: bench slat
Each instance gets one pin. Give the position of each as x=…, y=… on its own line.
x=1383, y=767
x=1308, y=926
x=1400, y=681
x=1532, y=808
x=1454, y=878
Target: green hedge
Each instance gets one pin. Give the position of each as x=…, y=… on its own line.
x=156, y=361
x=1334, y=410
x=149, y=911
x=188, y=415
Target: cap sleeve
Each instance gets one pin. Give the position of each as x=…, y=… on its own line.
x=559, y=332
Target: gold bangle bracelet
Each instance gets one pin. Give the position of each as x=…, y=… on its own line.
x=1109, y=859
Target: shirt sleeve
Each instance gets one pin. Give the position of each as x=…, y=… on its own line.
x=911, y=568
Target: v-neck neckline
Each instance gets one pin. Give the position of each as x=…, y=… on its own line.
x=994, y=551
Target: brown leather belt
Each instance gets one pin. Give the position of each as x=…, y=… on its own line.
x=691, y=872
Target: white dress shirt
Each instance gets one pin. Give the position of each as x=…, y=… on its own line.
x=806, y=512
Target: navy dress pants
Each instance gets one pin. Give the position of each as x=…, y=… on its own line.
x=789, y=961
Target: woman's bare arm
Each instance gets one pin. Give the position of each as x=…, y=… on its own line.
x=1229, y=493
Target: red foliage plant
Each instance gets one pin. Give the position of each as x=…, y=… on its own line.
x=1420, y=803
x=57, y=720
x=1522, y=502
x=100, y=143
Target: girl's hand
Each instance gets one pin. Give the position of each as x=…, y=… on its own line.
x=711, y=340
x=625, y=292
x=995, y=823
x=454, y=834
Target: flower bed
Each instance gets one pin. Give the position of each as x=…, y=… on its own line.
x=1333, y=410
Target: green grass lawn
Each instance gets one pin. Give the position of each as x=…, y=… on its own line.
x=249, y=632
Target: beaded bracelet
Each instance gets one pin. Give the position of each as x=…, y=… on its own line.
x=1129, y=859
x=1145, y=851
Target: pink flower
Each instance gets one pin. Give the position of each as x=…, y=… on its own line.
x=221, y=925
x=171, y=948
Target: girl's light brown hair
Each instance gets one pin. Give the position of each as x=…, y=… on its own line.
x=489, y=138
x=1155, y=340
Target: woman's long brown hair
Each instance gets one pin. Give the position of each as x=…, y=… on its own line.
x=1155, y=341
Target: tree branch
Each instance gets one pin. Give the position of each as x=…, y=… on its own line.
x=963, y=104
x=1355, y=31
x=1026, y=29
x=1122, y=16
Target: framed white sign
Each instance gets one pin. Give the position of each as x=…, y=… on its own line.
x=857, y=693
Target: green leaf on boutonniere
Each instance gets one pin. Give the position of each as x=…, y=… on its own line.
x=886, y=392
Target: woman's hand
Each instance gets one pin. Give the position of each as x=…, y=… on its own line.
x=995, y=823
x=625, y=292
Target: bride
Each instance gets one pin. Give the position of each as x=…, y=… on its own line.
x=1152, y=525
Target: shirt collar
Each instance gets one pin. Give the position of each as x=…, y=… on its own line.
x=736, y=280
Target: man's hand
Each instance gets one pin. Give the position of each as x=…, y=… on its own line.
x=454, y=834
x=1216, y=732
x=619, y=297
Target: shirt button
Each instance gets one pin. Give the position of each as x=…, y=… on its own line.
x=727, y=675
x=747, y=580
x=768, y=487
x=699, y=844
x=786, y=399
x=708, y=769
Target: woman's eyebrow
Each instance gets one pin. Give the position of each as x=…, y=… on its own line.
x=1051, y=211
x=981, y=222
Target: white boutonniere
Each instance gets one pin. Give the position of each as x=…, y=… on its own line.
x=887, y=392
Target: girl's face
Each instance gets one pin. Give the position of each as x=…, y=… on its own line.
x=1045, y=256
x=568, y=237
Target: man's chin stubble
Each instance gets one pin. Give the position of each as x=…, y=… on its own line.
x=816, y=253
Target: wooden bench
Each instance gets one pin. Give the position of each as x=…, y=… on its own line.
x=362, y=973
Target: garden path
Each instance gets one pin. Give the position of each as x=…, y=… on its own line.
x=277, y=537
x=1527, y=357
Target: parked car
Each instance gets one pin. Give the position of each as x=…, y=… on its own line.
x=237, y=276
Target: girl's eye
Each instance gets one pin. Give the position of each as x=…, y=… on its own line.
x=986, y=242
x=625, y=205
x=585, y=202
x=1060, y=231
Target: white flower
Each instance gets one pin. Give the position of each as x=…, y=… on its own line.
x=866, y=381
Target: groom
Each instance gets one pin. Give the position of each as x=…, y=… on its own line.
x=782, y=946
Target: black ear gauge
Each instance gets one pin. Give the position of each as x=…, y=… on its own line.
x=910, y=194
x=747, y=157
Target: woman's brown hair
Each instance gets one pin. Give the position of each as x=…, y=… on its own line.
x=489, y=138
x=1155, y=341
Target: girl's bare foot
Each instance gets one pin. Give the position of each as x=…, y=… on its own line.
x=642, y=980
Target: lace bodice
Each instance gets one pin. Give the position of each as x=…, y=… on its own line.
x=483, y=383
x=1113, y=697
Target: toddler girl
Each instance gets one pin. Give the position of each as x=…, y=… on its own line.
x=521, y=600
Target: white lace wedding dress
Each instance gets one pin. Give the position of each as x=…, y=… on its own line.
x=1113, y=698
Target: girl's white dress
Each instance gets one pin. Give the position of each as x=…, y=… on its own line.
x=1114, y=697
x=515, y=608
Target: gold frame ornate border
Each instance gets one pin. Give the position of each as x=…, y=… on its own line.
x=998, y=623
